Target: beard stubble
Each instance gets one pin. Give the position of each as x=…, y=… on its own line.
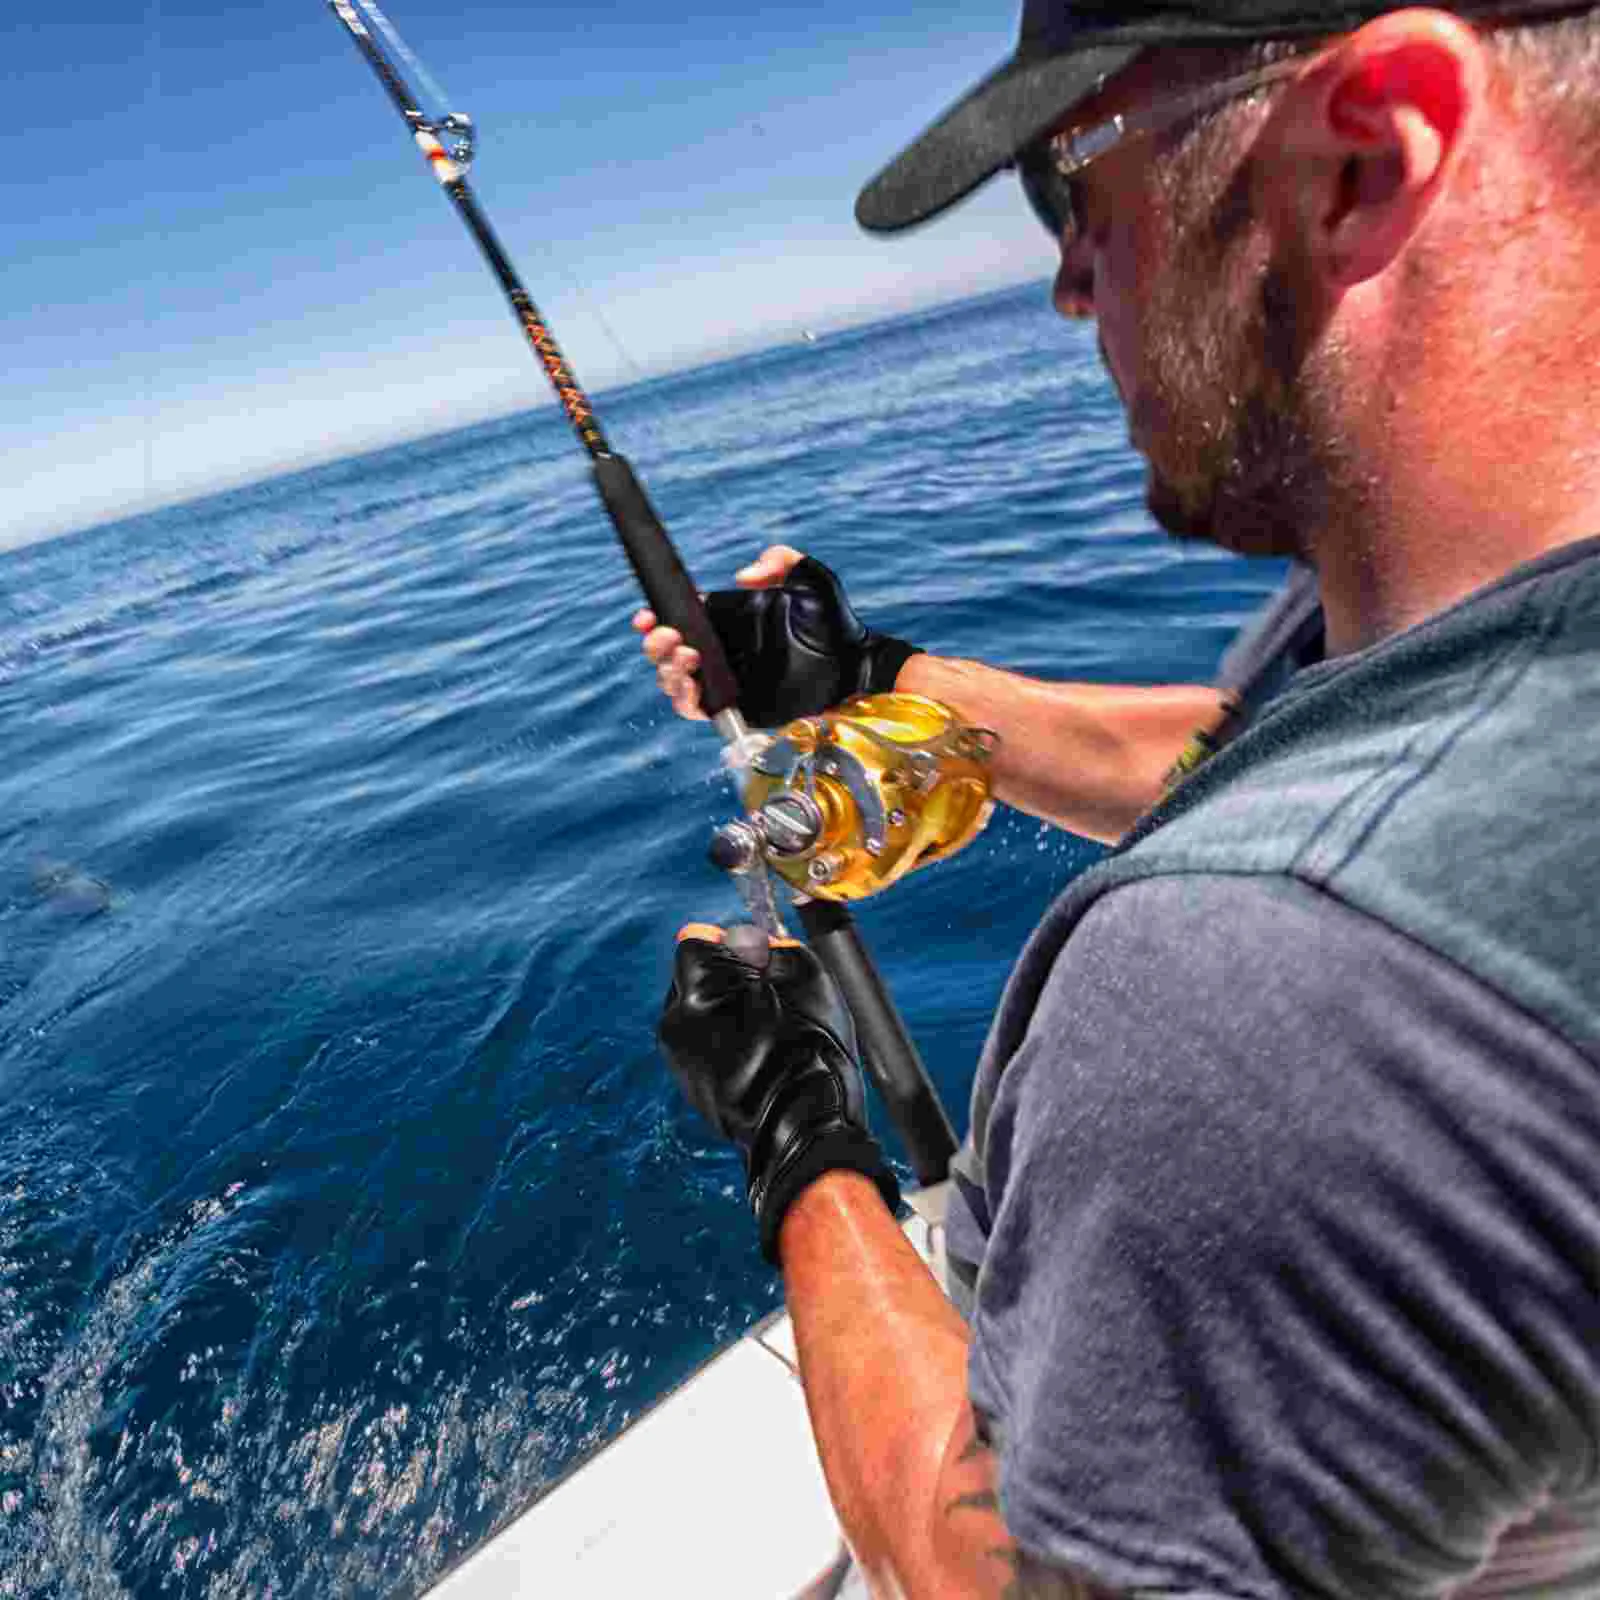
x=1238, y=388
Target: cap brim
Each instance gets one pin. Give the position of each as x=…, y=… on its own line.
x=981, y=133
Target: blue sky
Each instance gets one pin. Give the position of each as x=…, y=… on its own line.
x=220, y=255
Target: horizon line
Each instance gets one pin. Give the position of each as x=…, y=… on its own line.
x=292, y=467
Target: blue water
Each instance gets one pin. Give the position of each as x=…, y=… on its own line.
x=344, y=1201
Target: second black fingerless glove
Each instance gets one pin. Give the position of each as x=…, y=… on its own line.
x=768, y=1058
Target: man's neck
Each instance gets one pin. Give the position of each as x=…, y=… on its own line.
x=1468, y=418
x=1451, y=497
x=1378, y=588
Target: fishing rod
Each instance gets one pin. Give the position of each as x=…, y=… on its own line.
x=843, y=805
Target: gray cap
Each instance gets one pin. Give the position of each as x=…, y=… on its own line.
x=1067, y=49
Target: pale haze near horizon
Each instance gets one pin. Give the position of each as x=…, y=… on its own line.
x=224, y=258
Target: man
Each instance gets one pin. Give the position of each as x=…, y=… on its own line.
x=1280, y=1207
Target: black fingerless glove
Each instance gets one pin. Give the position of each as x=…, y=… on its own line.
x=768, y=1058
x=799, y=649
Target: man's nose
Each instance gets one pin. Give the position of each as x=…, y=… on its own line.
x=1074, y=287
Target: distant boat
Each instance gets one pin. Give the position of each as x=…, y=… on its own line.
x=808, y=336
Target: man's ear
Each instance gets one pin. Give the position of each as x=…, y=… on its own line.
x=1372, y=133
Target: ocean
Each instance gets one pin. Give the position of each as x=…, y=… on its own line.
x=344, y=1199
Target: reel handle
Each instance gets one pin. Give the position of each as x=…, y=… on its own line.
x=666, y=584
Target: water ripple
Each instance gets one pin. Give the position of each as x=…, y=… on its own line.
x=344, y=1202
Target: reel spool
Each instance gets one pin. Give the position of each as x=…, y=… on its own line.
x=849, y=802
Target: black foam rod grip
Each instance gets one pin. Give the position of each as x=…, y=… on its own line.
x=886, y=1048
x=667, y=586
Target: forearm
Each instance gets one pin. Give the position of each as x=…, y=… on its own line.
x=883, y=1357
x=1089, y=757
x=762, y=1049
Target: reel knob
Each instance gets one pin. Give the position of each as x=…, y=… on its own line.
x=850, y=802
x=792, y=823
x=735, y=847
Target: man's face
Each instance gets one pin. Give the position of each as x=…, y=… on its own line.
x=1198, y=325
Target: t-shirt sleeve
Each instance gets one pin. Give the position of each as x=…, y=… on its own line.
x=1290, y=1284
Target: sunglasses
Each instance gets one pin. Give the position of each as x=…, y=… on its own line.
x=1048, y=168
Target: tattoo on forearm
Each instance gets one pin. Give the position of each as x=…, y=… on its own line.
x=1027, y=1579
x=977, y=1500
x=1031, y=1581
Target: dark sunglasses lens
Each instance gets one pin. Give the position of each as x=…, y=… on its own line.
x=1051, y=197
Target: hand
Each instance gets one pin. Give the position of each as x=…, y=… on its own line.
x=767, y=1056
x=676, y=662
x=795, y=645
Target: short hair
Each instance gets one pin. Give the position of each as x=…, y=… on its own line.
x=1550, y=71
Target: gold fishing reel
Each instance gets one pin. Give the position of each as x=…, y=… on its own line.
x=844, y=804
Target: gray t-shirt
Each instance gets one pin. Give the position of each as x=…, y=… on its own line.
x=1290, y=1248
x=1288, y=1205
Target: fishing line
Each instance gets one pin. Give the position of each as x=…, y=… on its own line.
x=153, y=163
x=672, y=594
x=461, y=132
x=447, y=145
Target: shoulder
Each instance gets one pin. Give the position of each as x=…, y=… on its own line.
x=1204, y=1025
x=1273, y=1193
x=1440, y=782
